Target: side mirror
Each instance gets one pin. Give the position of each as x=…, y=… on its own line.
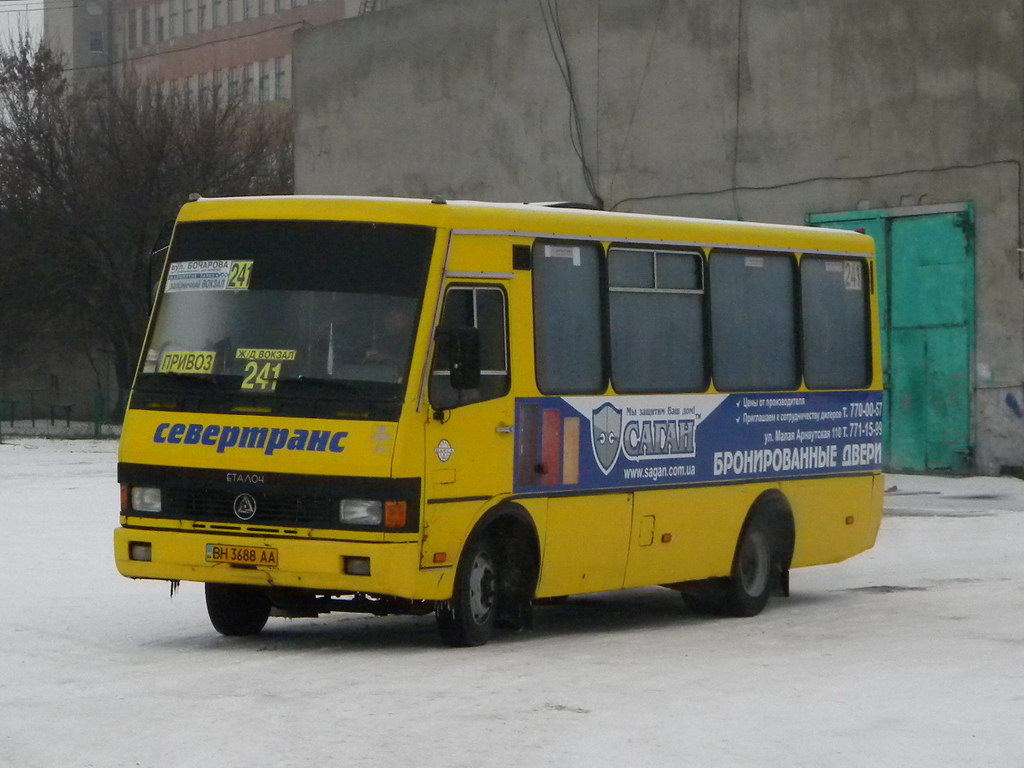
x=464, y=357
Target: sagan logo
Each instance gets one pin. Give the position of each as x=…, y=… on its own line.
x=605, y=431
x=648, y=434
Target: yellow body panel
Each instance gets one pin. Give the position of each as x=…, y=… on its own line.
x=834, y=519
x=515, y=220
x=585, y=544
x=309, y=564
x=685, y=518
x=588, y=541
x=148, y=438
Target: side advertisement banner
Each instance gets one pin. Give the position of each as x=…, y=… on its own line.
x=629, y=441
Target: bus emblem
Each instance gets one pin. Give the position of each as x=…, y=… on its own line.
x=245, y=506
x=605, y=434
x=444, y=450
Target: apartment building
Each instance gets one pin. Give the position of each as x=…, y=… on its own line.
x=203, y=48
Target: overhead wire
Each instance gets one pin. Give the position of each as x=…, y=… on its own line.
x=737, y=124
x=556, y=40
x=637, y=96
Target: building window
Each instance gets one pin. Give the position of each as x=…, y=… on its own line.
x=247, y=85
x=145, y=27
x=201, y=19
x=161, y=32
x=218, y=86
x=172, y=28
x=264, y=84
x=96, y=41
x=133, y=32
x=218, y=13
x=232, y=11
x=247, y=9
x=279, y=94
x=263, y=7
x=234, y=85
x=186, y=24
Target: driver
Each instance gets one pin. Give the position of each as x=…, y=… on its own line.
x=390, y=346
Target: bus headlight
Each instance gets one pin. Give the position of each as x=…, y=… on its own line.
x=146, y=499
x=361, y=512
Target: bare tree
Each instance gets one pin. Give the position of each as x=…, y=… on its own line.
x=89, y=175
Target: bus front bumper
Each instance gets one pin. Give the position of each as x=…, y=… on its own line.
x=318, y=565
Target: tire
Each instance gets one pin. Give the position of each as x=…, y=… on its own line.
x=237, y=610
x=468, y=619
x=751, y=582
x=753, y=570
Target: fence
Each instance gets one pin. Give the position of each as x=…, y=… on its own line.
x=88, y=413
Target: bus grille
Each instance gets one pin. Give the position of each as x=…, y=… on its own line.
x=276, y=509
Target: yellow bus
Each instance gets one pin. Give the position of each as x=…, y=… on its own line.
x=413, y=406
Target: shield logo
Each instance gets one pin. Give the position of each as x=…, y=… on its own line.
x=605, y=431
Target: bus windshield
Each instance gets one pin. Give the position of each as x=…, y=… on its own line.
x=278, y=309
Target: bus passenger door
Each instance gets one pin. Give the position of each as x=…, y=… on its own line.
x=469, y=433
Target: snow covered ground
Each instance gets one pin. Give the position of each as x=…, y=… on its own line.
x=909, y=655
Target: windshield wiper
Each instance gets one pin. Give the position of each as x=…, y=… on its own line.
x=364, y=390
x=203, y=379
x=179, y=382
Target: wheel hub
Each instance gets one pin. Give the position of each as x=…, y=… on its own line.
x=481, y=588
x=754, y=564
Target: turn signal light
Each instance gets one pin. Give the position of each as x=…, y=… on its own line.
x=141, y=551
x=396, y=514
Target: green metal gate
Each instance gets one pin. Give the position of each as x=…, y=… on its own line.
x=926, y=291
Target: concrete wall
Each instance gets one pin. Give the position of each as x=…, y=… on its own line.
x=767, y=110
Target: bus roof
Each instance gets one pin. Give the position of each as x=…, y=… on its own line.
x=531, y=220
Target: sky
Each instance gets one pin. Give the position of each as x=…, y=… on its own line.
x=15, y=13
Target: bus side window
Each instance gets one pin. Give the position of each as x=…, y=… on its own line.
x=482, y=308
x=836, y=337
x=567, y=318
x=656, y=317
x=753, y=321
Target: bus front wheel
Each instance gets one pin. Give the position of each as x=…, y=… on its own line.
x=468, y=618
x=754, y=571
x=237, y=610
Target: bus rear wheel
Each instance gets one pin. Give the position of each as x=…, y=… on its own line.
x=754, y=571
x=237, y=610
x=468, y=618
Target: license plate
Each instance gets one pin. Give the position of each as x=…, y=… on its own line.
x=229, y=553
